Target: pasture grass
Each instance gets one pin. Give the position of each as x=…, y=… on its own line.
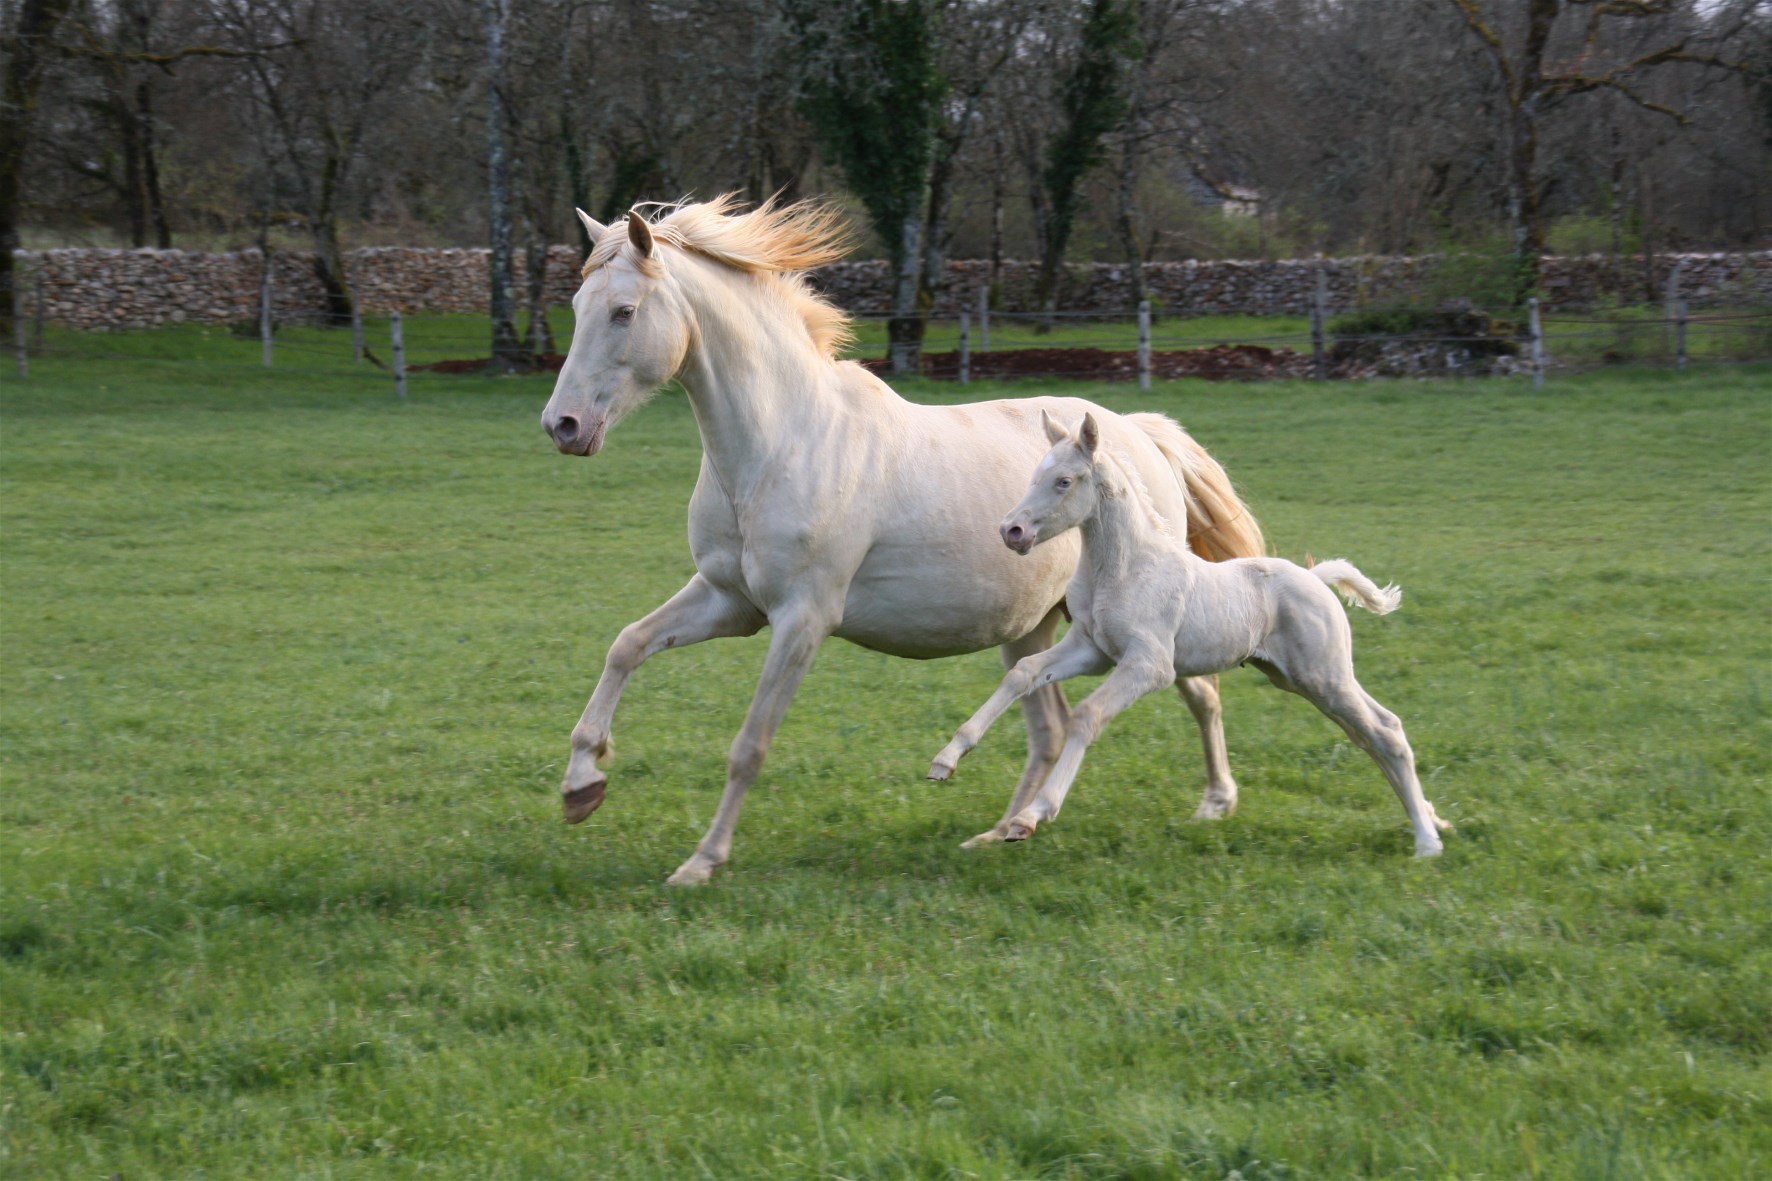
x=289, y=670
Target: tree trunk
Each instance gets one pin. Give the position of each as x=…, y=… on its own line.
x=329, y=260
x=1128, y=225
x=508, y=352
x=905, y=330
x=539, y=334
x=150, y=167
x=26, y=51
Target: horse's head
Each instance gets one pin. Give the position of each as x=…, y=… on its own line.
x=631, y=337
x=1064, y=488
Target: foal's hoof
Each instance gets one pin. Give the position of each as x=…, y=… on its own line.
x=1018, y=830
x=1214, y=809
x=580, y=802
x=992, y=837
x=1428, y=850
x=939, y=770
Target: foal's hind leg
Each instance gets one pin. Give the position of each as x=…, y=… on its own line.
x=1201, y=695
x=1377, y=731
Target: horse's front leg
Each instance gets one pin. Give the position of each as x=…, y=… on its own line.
x=1139, y=673
x=1201, y=696
x=698, y=612
x=794, y=642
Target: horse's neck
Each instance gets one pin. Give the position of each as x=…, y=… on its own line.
x=1123, y=526
x=755, y=379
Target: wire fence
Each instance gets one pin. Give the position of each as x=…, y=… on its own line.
x=993, y=344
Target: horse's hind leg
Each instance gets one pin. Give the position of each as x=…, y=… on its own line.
x=1047, y=713
x=697, y=612
x=1201, y=696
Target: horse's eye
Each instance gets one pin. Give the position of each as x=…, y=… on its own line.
x=624, y=314
x=1063, y=483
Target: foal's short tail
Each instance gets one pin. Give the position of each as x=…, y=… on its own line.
x=1219, y=525
x=1360, y=591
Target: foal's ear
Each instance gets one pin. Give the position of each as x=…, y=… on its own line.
x=1055, y=434
x=1089, y=436
x=594, y=229
x=639, y=233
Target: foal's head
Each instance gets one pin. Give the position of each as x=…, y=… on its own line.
x=1065, y=489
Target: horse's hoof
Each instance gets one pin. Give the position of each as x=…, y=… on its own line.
x=1214, y=809
x=982, y=839
x=691, y=873
x=1018, y=830
x=580, y=802
x=1428, y=850
x=939, y=771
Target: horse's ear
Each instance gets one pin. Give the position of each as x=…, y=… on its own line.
x=639, y=233
x=594, y=229
x=1089, y=436
x=1055, y=434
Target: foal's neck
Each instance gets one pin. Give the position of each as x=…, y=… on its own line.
x=1124, y=523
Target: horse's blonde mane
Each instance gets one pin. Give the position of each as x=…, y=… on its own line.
x=771, y=242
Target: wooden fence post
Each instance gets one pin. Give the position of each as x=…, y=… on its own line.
x=1537, y=329
x=1319, y=318
x=18, y=330
x=399, y=336
x=1144, y=344
x=1670, y=312
x=264, y=310
x=39, y=312
x=965, y=347
x=356, y=331
x=1680, y=333
x=984, y=319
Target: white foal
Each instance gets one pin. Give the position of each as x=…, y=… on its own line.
x=1153, y=612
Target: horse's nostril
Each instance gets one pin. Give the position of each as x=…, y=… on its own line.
x=566, y=428
x=1012, y=534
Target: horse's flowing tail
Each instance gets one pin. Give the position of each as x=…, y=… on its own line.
x=1360, y=591
x=1219, y=524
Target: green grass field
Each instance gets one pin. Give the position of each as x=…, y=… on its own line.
x=289, y=670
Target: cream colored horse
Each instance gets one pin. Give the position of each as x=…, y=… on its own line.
x=1147, y=607
x=827, y=505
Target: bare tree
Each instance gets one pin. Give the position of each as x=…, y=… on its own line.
x=316, y=75
x=1543, y=60
x=27, y=39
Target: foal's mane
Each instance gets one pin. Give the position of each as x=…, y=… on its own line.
x=1126, y=480
x=775, y=243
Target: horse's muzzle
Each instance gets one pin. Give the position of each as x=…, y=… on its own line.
x=574, y=436
x=1017, y=537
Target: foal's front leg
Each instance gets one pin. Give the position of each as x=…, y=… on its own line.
x=1072, y=656
x=698, y=612
x=1140, y=672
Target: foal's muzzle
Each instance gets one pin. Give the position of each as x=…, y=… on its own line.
x=1017, y=536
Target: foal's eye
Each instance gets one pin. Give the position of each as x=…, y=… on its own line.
x=1063, y=483
x=624, y=314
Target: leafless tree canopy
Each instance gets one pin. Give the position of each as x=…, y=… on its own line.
x=1240, y=127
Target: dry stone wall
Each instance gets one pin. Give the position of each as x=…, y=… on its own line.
x=103, y=289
